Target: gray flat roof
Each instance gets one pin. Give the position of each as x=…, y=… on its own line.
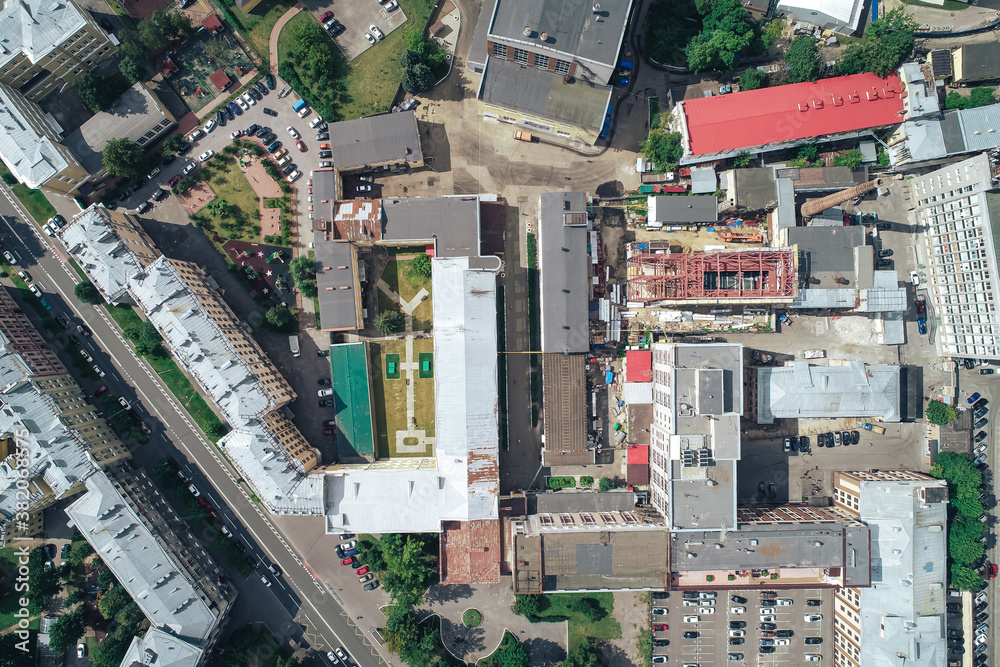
x=581, y=501
x=802, y=391
x=477, y=54
x=131, y=116
x=564, y=268
x=389, y=138
x=815, y=179
x=453, y=222
x=755, y=188
x=694, y=503
x=683, y=209
x=571, y=25
x=508, y=84
x=980, y=61
x=827, y=252
x=818, y=545
x=604, y=560
x=337, y=286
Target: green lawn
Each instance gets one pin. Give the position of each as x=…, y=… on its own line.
x=367, y=84
x=227, y=181
x=558, y=605
x=256, y=25
x=399, y=276
x=390, y=396
x=35, y=201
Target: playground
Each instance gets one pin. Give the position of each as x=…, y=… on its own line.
x=198, y=58
x=403, y=390
x=264, y=266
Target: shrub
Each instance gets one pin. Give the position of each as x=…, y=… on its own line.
x=87, y=293
x=561, y=483
x=472, y=618
x=586, y=481
x=605, y=484
x=940, y=413
x=388, y=322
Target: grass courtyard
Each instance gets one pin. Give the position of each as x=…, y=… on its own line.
x=390, y=396
x=559, y=606
x=198, y=59
x=235, y=213
x=401, y=279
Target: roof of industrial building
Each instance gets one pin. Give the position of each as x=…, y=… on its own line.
x=509, y=84
x=846, y=13
x=160, y=648
x=827, y=252
x=149, y=574
x=451, y=223
x=979, y=61
x=828, y=392
x=903, y=611
x=338, y=284
x=755, y=188
x=581, y=501
x=564, y=268
x=130, y=116
x=461, y=481
x=31, y=157
x=36, y=27
x=794, y=111
x=638, y=366
x=572, y=26
x=683, y=209
x=602, y=560
x=816, y=179
x=469, y=552
x=351, y=394
x=389, y=138
x=704, y=180
x=564, y=384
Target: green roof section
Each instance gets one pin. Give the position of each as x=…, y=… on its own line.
x=352, y=400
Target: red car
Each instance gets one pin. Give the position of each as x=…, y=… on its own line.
x=326, y=17
x=993, y=570
x=302, y=146
x=659, y=628
x=174, y=181
x=347, y=561
x=362, y=571
x=100, y=390
x=921, y=306
x=328, y=431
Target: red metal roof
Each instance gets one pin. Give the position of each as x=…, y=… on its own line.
x=638, y=366
x=795, y=111
x=212, y=23
x=637, y=470
x=220, y=79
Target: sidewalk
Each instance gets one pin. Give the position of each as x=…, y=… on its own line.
x=276, y=30
x=208, y=110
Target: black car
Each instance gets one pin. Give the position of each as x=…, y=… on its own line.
x=262, y=87
x=767, y=649
x=804, y=443
x=50, y=551
x=270, y=112
x=981, y=423
x=269, y=78
x=690, y=595
x=254, y=93
x=111, y=206
x=661, y=595
x=661, y=642
x=737, y=625
x=814, y=603
x=138, y=186
x=323, y=155
x=846, y=437
x=736, y=641
x=885, y=253
x=958, y=650
x=63, y=322
x=229, y=113
x=955, y=633
x=261, y=131
x=220, y=118
x=855, y=437
x=269, y=138
x=185, y=147
x=969, y=364
x=289, y=168
x=981, y=618
x=322, y=136
x=980, y=436
x=768, y=626
x=784, y=633
x=160, y=194
x=954, y=606
x=980, y=607
x=75, y=340
x=956, y=641
x=884, y=264
x=690, y=634
x=981, y=659
x=170, y=158
x=326, y=402
x=813, y=640
x=356, y=565
x=738, y=600
x=143, y=207
x=981, y=403
x=252, y=129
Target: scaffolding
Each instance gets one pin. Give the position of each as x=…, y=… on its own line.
x=748, y=275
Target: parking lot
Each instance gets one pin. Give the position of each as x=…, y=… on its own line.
x=719, y=633
x=356, y=17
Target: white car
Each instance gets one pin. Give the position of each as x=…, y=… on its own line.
x=782, y=642
x=767, y=618
x=692, y=619
x=249, y=100
x=738, y=610
x=332, y=657
x=209, y=126
x=243, y=105
x=194, y=490
x=914, y=278
x=981, y=597
x=81, y=650
x=812, y=618
x=737, y=633
x=764, y=611
x=265, y=580
x=376, y=32
x=315, y=122
x=34, y=290
x=368, y=36
x=980, y=639
x=295, y=133
x=691, y=603
x=196, y=135
x=325, y=392
x=391, y=6
x=706, y=610
x=124, y=403
x=236, y=134
x=206, y=156
x=10, y=258
x=813, y=657
x=708, y=595
x=188, y=169
x=349, y=545
x=292, y=176
x=783, y=602
x=304, y=111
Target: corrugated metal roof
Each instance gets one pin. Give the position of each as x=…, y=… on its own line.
x=804, y=391
x=280, y=487
x=564, y=268
x=164, y=649
x=703, y=180
x=36, y=27
x=32, y=158
x=388, y=138
x=980, y=127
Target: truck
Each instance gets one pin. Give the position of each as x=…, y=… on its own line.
x=521, y=135
x=293, y=345
x=299, y=106
x=813, y=354
x=873, y=428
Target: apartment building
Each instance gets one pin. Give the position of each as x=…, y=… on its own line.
x=900, y=617
x=695, y=433
x=45, y=421
x=957, y=256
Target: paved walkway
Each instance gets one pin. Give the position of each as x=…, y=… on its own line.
x=276, y=30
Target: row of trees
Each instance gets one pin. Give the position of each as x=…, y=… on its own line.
x=303, y=270
x=726, y=31
x=978, y=97
x=311, y=58
x=423, y=62
x=965, y=485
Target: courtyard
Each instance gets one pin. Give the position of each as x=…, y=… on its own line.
x=401, y=288
x=198, y=58
x=403, y=390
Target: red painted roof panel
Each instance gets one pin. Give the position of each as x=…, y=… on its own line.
x=795, y=111
x=638, y=366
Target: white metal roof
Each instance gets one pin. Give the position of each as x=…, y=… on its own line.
x=847, y=13
x=32, y=157
x=99, y=250
x=36, y=27
x=159, y=648
x=165, y=596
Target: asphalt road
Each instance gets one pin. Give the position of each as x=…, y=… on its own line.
x=302, y=602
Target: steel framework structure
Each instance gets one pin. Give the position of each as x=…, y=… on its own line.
x=743, y=275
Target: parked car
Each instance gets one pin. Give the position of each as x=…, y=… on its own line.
x=270, y=112
x=981, y=423
x=370, y=586
x=972, y=399
x=188, y=169
x=210, y=125
x=249, y=99
x=143, y=207
x=160, y=194
x=376, y=32
x=206, y=156
x=269, y=79
x=986, y=371
x=124, y=403
x=921, y=306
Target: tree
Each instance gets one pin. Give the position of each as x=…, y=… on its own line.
x=11, y=655
x=111, y=651
x=773, y=32
x=512, y=654
x=963, y=541
x=131, y=46
x=174, y=143
x=309, y=289
x=288, y=662
x=980, y=97
x=401, y=629
x=161, y=27
x=605, y=484
x=219, y=52
x=113, y=602
x=742, y=160
x=803, y=57
x=588, y=608
x=76, y=596
x=407, y=570
x=726, y=31
x=851, y=159
x=389, y=322
x=123, y=158
x=583, y=656
x=956, y=100
x=526, y=605
x=79, y=552
x=106, y=579
x=964, y=479
x=9, y=179
x=940, y=413
x=752, y=79
x=417, y=76
x=302, y=268
x=43, y=581
x=93, y=92
x=87, y=293
x=67, y=629
x=965, y=578
x=130, y=616
x=662, y=149
x=133, y=70
x=886, y=44
x=422, y=265
x=278, y=316
x=149, y=339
